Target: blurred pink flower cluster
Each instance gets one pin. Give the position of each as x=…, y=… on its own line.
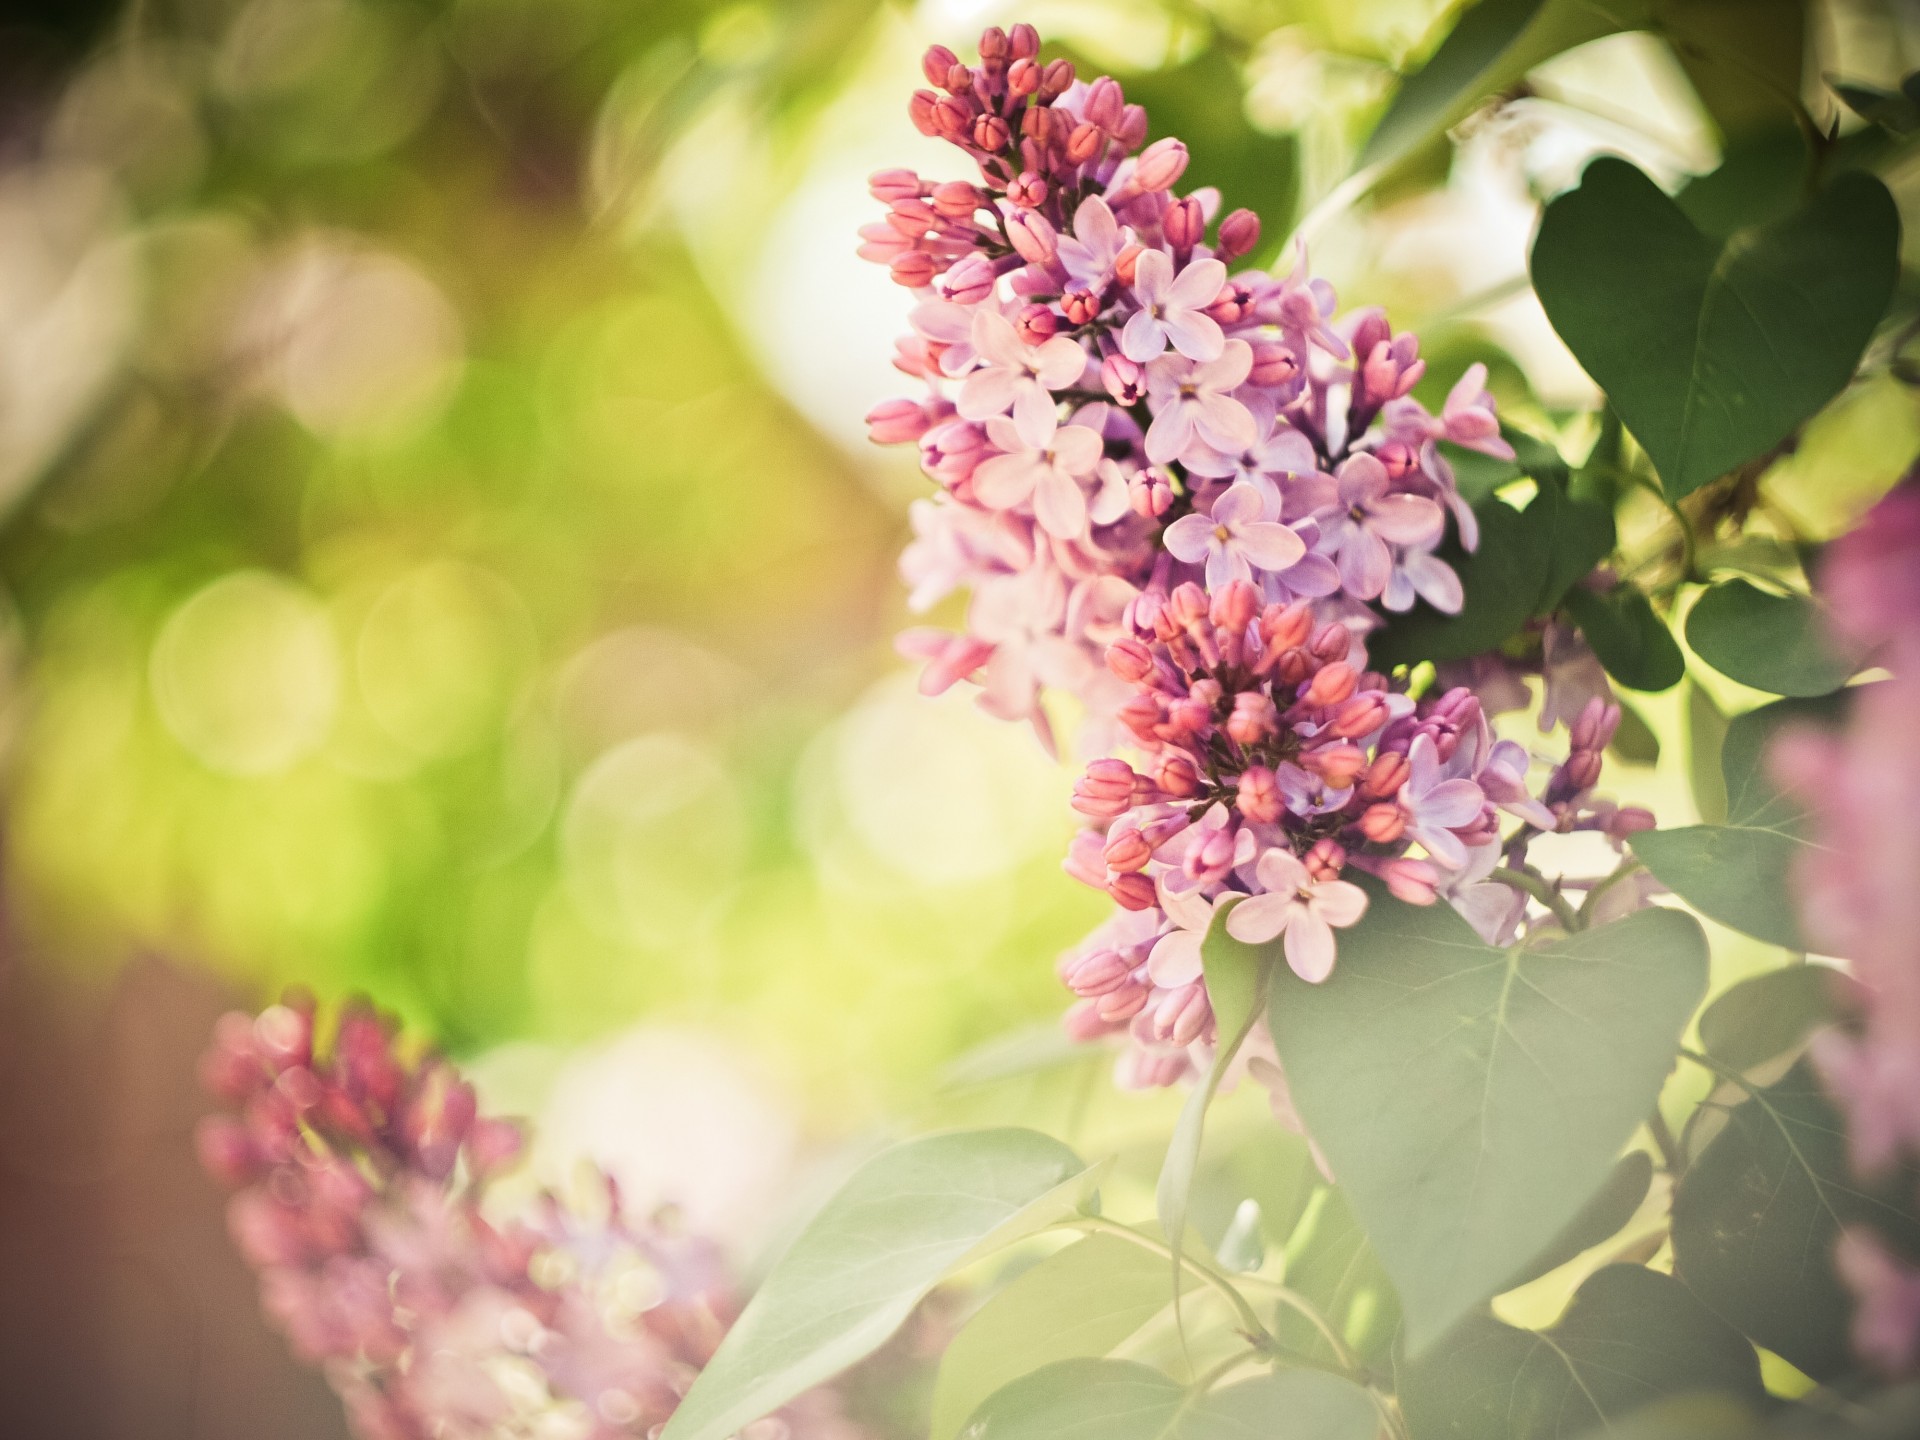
x=1178, y=493
x=1109, y=411
x=360, y=1180
x=1857, y=891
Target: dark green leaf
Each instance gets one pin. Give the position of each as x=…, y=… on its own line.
x=1767, y=1016
x=1501, y=581
x=1080, y=1302
x=1635, y=741
x=1706, y=731
x=1491, y=46
x=1713, y=351
x=1121, y=1400
x=904, y=1220
x=1630, y=640
x=1739, y=872
x=1892, y=110
x=1582, y=537
x=1599, y=1219
x=1756, y=1217
x=1780, y=643
x=1631, y=1336
x=1743, y=57
x=1472, y=1100
x=1761, y=178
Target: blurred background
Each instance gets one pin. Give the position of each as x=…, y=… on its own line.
x=440, y=558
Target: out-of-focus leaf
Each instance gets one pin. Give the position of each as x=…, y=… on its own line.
x=1024, y=1051
x=1631, y=1336
x=1738, y=872
x=1767, y=1016
x=1330, y=1262
x=1473, y=1100
x=1761, y=178
x=1713, y=351
x=1635, y=741
x=1758, y=1212
x=906, y=1218
x=1080, y=1302
x=1895, y=111
x=1243, y=1249
x=1204, y=102
x=1121, y=1400
x=1599, y=1220
x=1583, y=536
x=1778, y=643
x=1744, y=57
x=1491, y=45
x=1631, y=641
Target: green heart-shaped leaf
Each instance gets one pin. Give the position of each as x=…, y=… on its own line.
x=1767, y=1016
x=1779, y=643
x=1631, y=1336
x=1123, y=1400
x=1631, y=641
x=1471, y=1100
x=1712, y=350
x=903, y=1221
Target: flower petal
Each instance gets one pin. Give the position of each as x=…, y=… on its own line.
x=1189, y=538
x=1143, y=338
x=1222, y=421
x=1338, y=902
x=1059, y=362
x=1256, y=920
x=995, y=338
x=1270, y=546
x=1005, y=481
x=1061, y=506
x=1309, y=947
x=985, y=393
x=1175, y=959
x=1405, y=519
x=1280, y=871
x=1152, y=276
x=1077, y=449
x=1194, y=335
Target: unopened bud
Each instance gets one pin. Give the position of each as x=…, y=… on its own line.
x=1128, y=851
x=1133, y=891
x=1023, y=78
x=990, y=134
x=1326, y=859
x=1338, y=765
x=1334, y=683
x=891, y=186
x=1414, y=881
x=1143, y=714
x=1386, y=775
x=912, y=268
x=1125, y=262
x=993, y=44
x=1130, y=999
x=1149, y=494
x=1184, y=225
x=1100, y=973
x=1258, y=795
x=894, y=422
x=1285, y=627
x=1084, y=143
x=1124, y=380
x=1160, y=165
x=1234, y=606
x=957, y=200
x=1081, y=307
x=1361, y=714
x=1332, y=643
x=1023, y=42
x=1239, y=233
x=1399, y=459
x=1253, y=718
x=921, y=110
x=1028, y=190
x=1273, y=364
x=1104, y=102
x=969, y=280
x=953, y=118
x=1106, y=790
x=1130, y=659
x=1032, y=236
x=1036, y=324
x=1057, y=80
x=936, y=63
x=1582, y=770
x=959, y=80
x=1178, y=778
x=1383, y=823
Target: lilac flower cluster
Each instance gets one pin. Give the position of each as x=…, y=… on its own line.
x=1110, y=412
x=1179, y=493
x=360, y=1179
x=1857, y=894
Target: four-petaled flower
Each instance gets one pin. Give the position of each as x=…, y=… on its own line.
x=1171, y=309
x=1045, y=463
x=1016, y=375
x=1305, y=910
x=1234, y=541
x=1436, y=806
x=1192, y=401
x=1369, y=517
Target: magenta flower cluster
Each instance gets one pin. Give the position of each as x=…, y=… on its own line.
x=1184, y=495
x=360, y=1182
x=1857, y=893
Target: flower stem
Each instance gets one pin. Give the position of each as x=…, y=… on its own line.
x=1536, y=885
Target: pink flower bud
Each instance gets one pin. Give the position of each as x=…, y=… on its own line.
x=1125, y=381
x=1239, y=233
x=1033, y=236
x=914, y=269
x=969, y=280
x=1023, y=42
x=1133, y=127
x=1333, y=643
x=1273, y=364
x=1183, y=1014
x=1399, y=459
x=1184, y=225
x=1143, y=715
x=1212, y=857
x=1160, y=165
x=1253, y=719
x=911, y=218
x=1130, y=999
x=493, y=1145
x=1130, y=659
x=1383, y=823
x=1334, y=683
x=1149, y=494
x=1124, y=263
x=957, y=200
x=894, y=422
x=1128, y=851
x=1630, y=820
x=1413, y=881
x=1081, y=307
x=990, y=133
x=1100, y=973
x=284, y=1035
x=1023, y=78
x=959, y=80
x=1106, y=790
x=1232, y=304
x=226, y=1151
x=1326, y=859
x=1338, y=765
x=953, y=119
x=1257, y=795
x=1582, y=770
x=1285, y=627
x=1028, y=190
x=1361, y=714
x=1386, y=775
x=891, y=186
x=1082, y=1022
x=1178, y=778
x=922, y=110
x=1595, y=725
x=993, y=44
x=936, y=63
x=1055, y=82
x=1036, y=324
x=1084, y=142
x=1132, y=891
x=1104, y=102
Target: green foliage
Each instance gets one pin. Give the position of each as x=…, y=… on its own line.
x=1631, y=641
x=1738, y=872
x=1472, y=1100
x=1600, y=1219
x=1631, y=1336
x=1121, y=1400
x=901, y=1224
x=1713, y=351
x=1078, y=1303
x=1330, y=1263
x=1758, y=1213
x=1767, y=1016
x=1778, y=643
